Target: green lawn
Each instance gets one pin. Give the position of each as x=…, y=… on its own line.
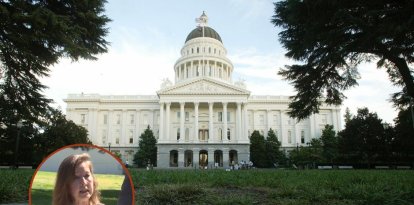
x=275, y=187
x=361, y=187
x=43, y=184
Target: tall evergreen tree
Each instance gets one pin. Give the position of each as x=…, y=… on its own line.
x=348, y=115
x=33, y=36
x=334, y=42
x=258, y=149
x=329, y=144
x=273, y=152
x=147, y=149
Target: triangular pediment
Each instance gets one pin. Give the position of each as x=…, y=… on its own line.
x=203, y=86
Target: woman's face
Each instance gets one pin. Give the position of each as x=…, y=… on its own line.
x=82, y=187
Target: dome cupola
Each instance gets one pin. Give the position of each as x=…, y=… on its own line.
x=203, y=55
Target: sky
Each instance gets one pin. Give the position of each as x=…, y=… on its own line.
x=146, y=37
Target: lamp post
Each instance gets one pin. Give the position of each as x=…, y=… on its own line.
x=19, y=125
x=297, y=147
x=109, y=146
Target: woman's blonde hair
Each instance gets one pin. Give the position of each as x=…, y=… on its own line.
x=66, y=175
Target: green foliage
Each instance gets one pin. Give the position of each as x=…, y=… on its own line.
x=147, y=149
x=14, y=185
x=258, y=150
x=273, y=152
x=58, y=132
x=364, y=139
x=333, y=43
x=348, y=115
x=329, y=144
x=33, y=36
x=403, y=143
x=309, y=155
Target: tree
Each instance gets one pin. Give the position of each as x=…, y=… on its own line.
x=329, y=143
x=33, y=36
x=364, y=139
x=348, y=115
x=404, y=137
x=274, y=155
x=57, y=132
x=332, y=37
x=258, y=149
x=147, y=149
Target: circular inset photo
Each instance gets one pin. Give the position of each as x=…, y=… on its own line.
x=81, y=174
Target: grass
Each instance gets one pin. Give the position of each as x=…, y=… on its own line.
x=14, y=185
x=274, y=187
x=43, y=184
x=291, y=187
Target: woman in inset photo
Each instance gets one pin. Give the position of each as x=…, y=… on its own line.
x=81, y=174
x=75, y=182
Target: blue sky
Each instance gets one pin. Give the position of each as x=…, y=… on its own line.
x=146, y=38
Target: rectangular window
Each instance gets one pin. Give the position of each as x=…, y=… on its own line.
x=83, y=118
x=105, y=119
x=228, y=116
x=178, y=115
x=302, y=137
x=187, y=116
x=132, y=119
x=103, y=137
x=117, y=140
x=289, y=137
x=275, y=117
x=131, y=136
x=324, y=119
x=261, y=119
x=146, y=119
x=220, y=116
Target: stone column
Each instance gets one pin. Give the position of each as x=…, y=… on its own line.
x=210, y=158
x=110, y=120
x=185, y=70
x=161, y=126
x=268, y=120
x=226, y=163
x=225, y=122
x=123, y=139
x=245, y=124
x=137, y=131
x=238, y=122
x=180, y=157
x=196, y=157
x=182, y=117
x=167, y=121
x=210, y=122
x=282, y=138
x=312, y=133
x=196, y=139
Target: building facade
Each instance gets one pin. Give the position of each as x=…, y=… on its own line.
x=203, y=119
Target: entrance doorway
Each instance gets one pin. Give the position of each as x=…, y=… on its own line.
x=218, y=158
x=188, y=158
x=203, y=159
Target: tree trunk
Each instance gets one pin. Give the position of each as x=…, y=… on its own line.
x=405, y=74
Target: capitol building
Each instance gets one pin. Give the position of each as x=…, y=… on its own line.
x=202, y=119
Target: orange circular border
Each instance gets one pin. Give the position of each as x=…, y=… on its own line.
x=84, y=145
